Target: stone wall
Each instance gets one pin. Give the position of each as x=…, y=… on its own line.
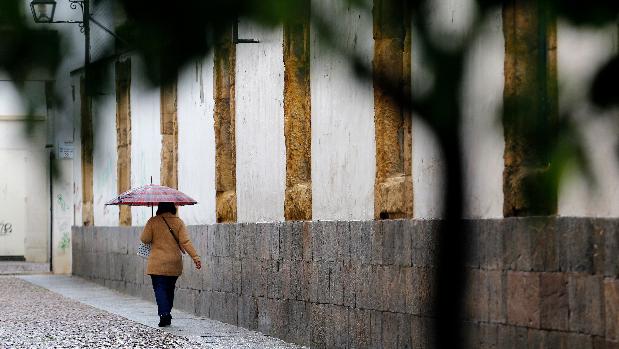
x=533, y=282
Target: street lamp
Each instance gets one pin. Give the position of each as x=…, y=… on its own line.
x=43, y=10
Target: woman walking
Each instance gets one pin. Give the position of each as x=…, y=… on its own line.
x=168, y=237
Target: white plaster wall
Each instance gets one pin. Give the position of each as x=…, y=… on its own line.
x=580, y=52
x=482, y=131
x=428, y=172
x=260, y=147
x=449, y=23
x=105, y=182
x=63, y=217
x=196, y=141
x=145, y=136
x=343, y=145
x=77, y=155
x=24, y=184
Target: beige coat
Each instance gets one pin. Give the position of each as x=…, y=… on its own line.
x=165, y=256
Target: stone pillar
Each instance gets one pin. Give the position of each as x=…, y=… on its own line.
x=530, y=108
x=87, y=160
x=393, y=187
x=298, y=118
x=169, y=134
x=225, y=146
x=123, y=134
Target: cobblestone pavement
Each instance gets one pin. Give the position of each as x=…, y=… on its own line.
x=35, y=317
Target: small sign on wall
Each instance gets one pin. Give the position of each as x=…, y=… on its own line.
x=65, y=151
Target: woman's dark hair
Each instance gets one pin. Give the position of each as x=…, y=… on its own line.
x=166, y=207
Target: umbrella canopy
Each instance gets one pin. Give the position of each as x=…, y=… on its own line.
x=151, y=195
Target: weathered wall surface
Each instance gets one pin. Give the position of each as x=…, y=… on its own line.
x=532, y=282
x=24, y=179
x=260, y=149
x=145, y=136
x=579, y=53
x=196, y=141
x=105, y=179
x=343, y=147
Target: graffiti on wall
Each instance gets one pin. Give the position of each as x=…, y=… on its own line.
x=6, y=228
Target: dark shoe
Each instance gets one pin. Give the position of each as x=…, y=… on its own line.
x=165, y=320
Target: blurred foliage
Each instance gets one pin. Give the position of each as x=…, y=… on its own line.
x=170, y=34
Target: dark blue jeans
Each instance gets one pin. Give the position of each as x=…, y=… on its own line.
x=164, y=292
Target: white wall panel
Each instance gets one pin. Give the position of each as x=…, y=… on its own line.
x=105, y=182
x=482, y=130
x=343, y=146
x=145, y=135
x=260, y=147
x=580, y=52
x=196, y=141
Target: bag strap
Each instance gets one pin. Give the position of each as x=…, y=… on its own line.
x=174, y=236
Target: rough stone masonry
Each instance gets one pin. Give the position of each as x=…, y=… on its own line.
x=532, y=282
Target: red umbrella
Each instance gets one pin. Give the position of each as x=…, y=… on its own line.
x=151, y=195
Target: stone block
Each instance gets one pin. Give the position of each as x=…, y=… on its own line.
x=336, y=283
x=425, y=242
x=495, y=282
x=554, y=305
x=471, y=334
x=263, y=237
x=308, y=248
x=320, y=281
x=363, y=289
x=300, y=276
x=488, y=336
x=586, y=303
x=273, y=240
x=360, y=241
x=394, y=295
x=577, y=340
x=391, y=231
x=491, y=247
x=510, y=337
x=611, y=248
x=377, y=240
x=295, y=240
x=223, y=307
x=339, y=336
x=275, y=279
x=350, y=282
x=473, y=297
x=420, y=293
x=611, y=308
x=576, y=244
x=359, y=328
x=397, y=330
x=297, y=319
x=319, y=325
x=286, y=231
x=248, y=312
x=403, y=253
x=203, y=303
x=317, y=241
x=473, y=243
x=523, y=299
x=342, y=236
x=422, y=332
x=376, y=329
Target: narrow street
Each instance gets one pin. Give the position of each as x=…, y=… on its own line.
x=45, y=311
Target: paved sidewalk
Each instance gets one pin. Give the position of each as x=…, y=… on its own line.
x=135, y=318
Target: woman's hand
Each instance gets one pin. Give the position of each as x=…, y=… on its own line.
x=198, y=264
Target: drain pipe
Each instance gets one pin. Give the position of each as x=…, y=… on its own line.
x=51, y=209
